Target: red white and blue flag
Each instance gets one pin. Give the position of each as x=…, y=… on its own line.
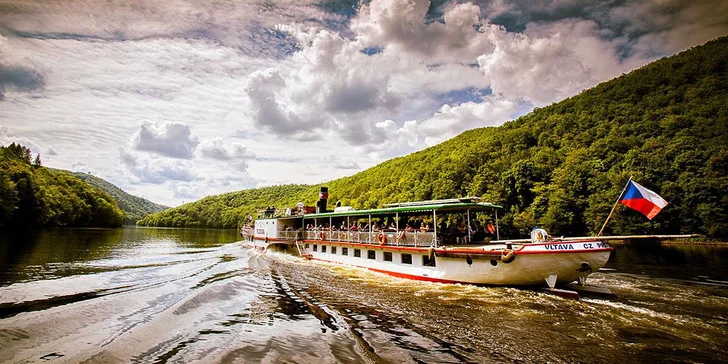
x=643, y=200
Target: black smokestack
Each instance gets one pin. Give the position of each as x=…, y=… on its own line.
x=323, y=197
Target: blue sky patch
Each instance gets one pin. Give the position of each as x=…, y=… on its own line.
x=456, y=97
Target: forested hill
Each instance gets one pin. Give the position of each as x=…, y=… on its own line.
x=135, y=207
x=560, y=167
x=32, y=195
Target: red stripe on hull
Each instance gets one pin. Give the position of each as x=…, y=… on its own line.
x=397, y=274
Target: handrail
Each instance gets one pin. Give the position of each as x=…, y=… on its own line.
x=392, y=238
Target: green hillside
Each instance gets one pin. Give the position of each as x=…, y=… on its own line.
x=135, y=207
x=560, y=167
x=32, y=195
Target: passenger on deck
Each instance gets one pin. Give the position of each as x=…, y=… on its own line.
x=461, y=235
x=424, y=227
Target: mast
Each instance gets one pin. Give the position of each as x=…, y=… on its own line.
x=615, y=206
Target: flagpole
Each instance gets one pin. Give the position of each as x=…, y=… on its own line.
x=615, y=206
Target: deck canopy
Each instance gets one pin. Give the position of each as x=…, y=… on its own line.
x=413, y=207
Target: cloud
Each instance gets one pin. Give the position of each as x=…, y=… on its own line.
x=247, y=26
x=447, y=122
x=156, y=170
x=331, y=88
x=214, y=184
x=217, y=149
x=264, y=89
x=338, y=162
x=15, y=78
x=660, y=28
x=169, y=139
x=234, y=154
x=402, y=24
x=550, y=62
x=82, y=168
x=35, y=147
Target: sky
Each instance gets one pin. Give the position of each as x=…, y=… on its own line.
x=179, y=99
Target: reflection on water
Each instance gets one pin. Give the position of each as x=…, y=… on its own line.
x=172, y=295
x=679, y=261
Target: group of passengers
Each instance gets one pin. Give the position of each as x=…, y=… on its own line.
x=378, y=225
x=456, y=231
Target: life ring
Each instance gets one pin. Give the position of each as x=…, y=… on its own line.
x=382, y=239
x=507, y=256
x=322, y=236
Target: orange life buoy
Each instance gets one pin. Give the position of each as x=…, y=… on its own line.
x=382, y=239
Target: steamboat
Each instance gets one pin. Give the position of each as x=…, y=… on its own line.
x=448, y=241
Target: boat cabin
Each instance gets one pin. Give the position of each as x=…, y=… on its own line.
x=456, y=221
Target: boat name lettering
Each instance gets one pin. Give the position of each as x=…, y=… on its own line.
x=559, y=247
x=260, y=231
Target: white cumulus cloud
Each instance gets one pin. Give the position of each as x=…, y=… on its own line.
x=169, y=139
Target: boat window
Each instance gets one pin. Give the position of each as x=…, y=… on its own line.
x=427, y=262
x=344, y=251
x=315, y=247
x=371, y=254
x=357, y=253
x=387, y=256
x=333, y=250
x=323, y=248
x=406, y=258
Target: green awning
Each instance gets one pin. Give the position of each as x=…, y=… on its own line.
x=447, y=207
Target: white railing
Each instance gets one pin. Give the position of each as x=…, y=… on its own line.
x=289, y=235
x=364, y=237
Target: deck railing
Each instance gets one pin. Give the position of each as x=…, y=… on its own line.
x=401, y=238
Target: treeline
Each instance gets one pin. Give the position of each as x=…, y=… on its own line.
x=560, y=167
x=32, y=195
x=134, y=207
x=228, y=210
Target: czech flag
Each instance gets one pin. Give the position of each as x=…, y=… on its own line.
x=642, y=200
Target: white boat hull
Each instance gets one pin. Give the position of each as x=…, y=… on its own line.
x=532, y=264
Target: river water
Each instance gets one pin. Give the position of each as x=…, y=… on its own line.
x=193, y=295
